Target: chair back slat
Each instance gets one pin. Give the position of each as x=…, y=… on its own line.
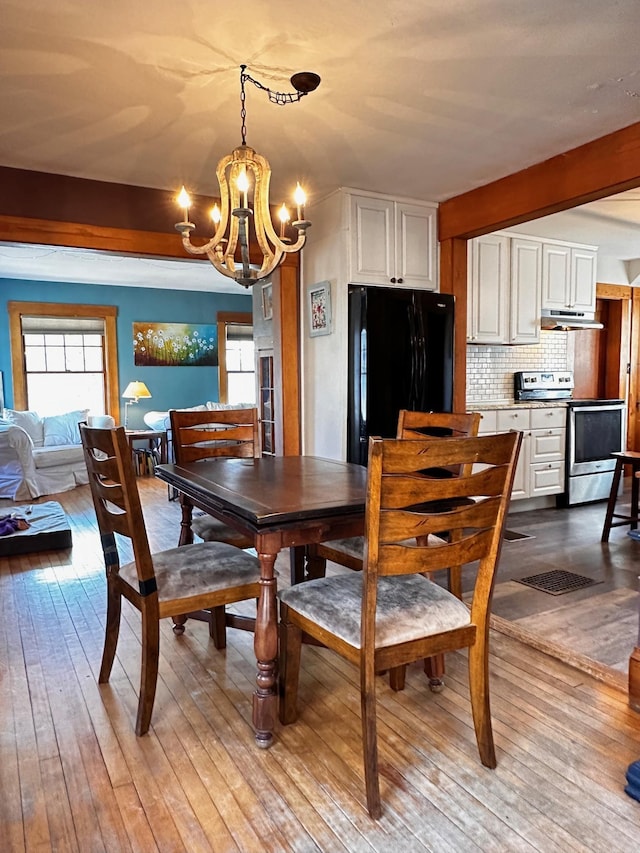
x=114, y=491
x=411, y=559
x=208, y=434
x=398, y=525
x=403, y=491
x=437, y=424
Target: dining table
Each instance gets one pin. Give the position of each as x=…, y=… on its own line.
x=291, y=502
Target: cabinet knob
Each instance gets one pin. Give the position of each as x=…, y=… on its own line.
x=400, y=280
x=393, y=280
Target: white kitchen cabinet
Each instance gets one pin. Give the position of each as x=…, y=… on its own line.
x=505, y=276
x=540, y=468
x=526, y=282
x=488, y=292
x=569, y=277
x=392, y=242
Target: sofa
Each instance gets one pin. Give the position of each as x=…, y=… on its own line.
x=43, y=455
x=161, y=421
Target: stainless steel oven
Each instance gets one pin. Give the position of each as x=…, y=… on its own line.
x=595, y=430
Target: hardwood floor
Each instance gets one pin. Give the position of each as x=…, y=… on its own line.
x=598, y=623
x=73, y=775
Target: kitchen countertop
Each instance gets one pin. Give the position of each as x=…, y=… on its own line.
x=513, y=404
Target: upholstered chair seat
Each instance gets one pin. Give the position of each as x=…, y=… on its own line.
x=410, y=607
x=211, y=529
x=183, y=572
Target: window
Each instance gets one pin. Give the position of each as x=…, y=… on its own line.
x=236, y=355
x=64, y=364
x=64, y=357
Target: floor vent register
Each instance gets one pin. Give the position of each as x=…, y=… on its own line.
x=557, y=582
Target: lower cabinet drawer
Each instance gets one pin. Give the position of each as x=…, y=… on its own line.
x=546, y=478
x=547, y=445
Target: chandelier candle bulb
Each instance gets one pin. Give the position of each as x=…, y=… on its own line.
x=216, y=215
x=284, y=217
x=300, y=199
x=243, y=186
x=184, y=202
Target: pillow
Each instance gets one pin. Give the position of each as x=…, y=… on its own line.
x=31, y=423
x=101, y=421
x=63, y=429
x=221, y=407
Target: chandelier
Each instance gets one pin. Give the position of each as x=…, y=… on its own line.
x=244, y=211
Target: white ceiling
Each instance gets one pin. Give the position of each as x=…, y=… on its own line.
x=421, y=99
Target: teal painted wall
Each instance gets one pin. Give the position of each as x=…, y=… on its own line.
x=170, y=387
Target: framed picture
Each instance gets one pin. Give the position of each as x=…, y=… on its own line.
x=319, y=302
x=175, y=345
x=267, y=301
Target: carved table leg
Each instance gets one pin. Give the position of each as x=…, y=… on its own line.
x=316, y=566
x=265, y=645
x=186, y=533
x=296, y=563
x=634, y=679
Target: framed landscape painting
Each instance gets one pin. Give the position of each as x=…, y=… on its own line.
x=175, y=345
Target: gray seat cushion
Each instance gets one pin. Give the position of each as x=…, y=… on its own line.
x=189, y=569
x=409, y=607
x=213, y=530
x=353, y=547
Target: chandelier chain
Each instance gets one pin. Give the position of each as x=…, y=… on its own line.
x=280, y=98
x=243, y=107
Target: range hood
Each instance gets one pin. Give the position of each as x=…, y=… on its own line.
x=566, y=321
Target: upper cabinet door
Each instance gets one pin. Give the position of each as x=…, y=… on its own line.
x=583, y=279
x=489, y=289
x=556, y=276
x=526, y=278
x=371, y=243
x=416, y=246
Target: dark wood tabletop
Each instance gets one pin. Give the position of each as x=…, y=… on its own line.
x=272, y=490
x=283, y=501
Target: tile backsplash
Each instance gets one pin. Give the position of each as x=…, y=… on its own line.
x=490, y=369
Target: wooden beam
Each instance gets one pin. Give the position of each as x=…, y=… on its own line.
x=597, y=169
x=453, y=279
x=286, y=357
x=17, y=229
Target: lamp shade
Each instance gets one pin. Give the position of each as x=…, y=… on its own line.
x=135, y=390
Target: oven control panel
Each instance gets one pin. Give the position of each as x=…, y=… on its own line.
x=543, y=385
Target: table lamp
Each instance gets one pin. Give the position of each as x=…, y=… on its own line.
x=133, y=391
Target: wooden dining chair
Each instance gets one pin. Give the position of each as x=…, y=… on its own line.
x=185, y=578
x=209, y=435
x=391, y=614
x=350, y=552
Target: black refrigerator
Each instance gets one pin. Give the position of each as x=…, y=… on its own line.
x=400, y=357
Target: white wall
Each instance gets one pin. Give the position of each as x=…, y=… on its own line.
x=324, y=358
x=611, y=270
